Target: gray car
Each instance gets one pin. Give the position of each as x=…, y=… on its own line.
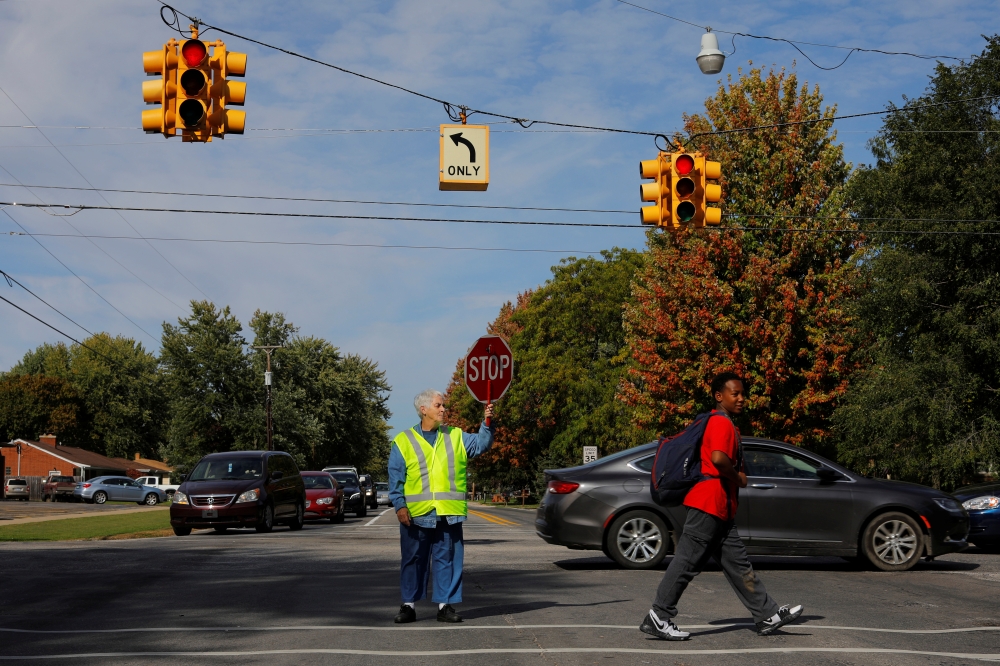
x=382, y=492
x=103, y=489
x=17, y=489
x=796, y=503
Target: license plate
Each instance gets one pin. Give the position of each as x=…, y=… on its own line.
x=210, y=513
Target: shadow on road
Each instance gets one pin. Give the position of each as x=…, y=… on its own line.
x=515, y=609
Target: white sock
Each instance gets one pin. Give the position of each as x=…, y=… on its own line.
x=411, y=604
x=441, y=606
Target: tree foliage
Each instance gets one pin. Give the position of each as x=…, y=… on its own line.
x=927, y=407
x=567, y=340
x=766, y=303
x=33, y=405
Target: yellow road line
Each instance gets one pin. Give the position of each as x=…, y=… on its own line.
x=493, y=519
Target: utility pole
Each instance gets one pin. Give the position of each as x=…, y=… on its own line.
x=267, y=383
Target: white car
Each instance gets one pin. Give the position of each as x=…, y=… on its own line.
x=168, y=488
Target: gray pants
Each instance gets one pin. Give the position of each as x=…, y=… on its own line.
x=707, y=536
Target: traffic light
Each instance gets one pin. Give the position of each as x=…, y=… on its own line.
x=162, y=91
x=194, y=82
x=658, y=191
x=225, y=92
x=711, y=192
x=684, y=188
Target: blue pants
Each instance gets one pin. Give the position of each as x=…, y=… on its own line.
x=444, y=547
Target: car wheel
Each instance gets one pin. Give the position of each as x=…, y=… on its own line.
x=362, y=512
x=299, y=520
x=893, y=542
x=170, y=493
x=45, y=498
x=638, y=540
x=265, y=523
x=339, y=518
x=181, y=531
x=100, y=497
x=151, y=500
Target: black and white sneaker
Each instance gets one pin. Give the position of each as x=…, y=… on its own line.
x=668, y=631
x=784, y=615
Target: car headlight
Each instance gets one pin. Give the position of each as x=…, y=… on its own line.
x=180, y=498
x=324, y=500
x=982, y=503
x=355, y=495
x=248, y=496
x=948, y=504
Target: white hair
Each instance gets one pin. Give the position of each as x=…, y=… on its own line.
x=425, y=398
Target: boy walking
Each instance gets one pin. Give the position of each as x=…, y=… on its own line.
x=710, y=527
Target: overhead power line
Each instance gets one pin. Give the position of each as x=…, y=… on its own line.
x=313, y=200
x=11, y=280
x=794, y=43
x=452, y=108
x=65, y=335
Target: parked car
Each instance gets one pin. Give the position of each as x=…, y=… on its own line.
x=368, y=489
x=982, y=501
x=103, y=489
x=796, y=503
x=58, y=488
x=240, y=489
x=324, y=497
x=354, y=500
x=16, y=489
x=156, y=482
x=341, y=468
x=381, y=492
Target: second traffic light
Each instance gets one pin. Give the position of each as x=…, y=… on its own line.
x=658, y=192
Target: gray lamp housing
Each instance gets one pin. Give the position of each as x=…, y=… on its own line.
x=710, y=58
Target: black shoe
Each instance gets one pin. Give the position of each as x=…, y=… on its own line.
x=668, y=631
x=448, y=614
x=406, y=614
x=779, y=619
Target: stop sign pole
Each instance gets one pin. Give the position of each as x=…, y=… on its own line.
x=489, y=369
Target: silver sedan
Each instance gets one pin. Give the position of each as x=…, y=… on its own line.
x=117, y=489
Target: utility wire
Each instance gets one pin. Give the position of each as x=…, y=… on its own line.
x=311, y=200
x=794, y=43
x=81, y=207
x=79, y=173
x=11, y=279
x=65, y=335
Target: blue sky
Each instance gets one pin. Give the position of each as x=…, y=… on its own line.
x=78, y=63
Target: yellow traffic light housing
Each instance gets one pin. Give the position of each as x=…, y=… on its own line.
x=162, y=91
x=712, y=192
x=193, y=90
x=658, y=192
x=684, y=188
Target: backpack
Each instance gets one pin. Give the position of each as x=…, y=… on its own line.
x=677, y=465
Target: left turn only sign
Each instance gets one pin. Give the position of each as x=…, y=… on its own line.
x=465, y=157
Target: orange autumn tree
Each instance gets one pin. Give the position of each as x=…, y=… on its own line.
x=765, y=302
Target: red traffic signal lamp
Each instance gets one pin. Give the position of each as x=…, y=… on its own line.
x=194, y=76
x=658, y=192
x=684, y=190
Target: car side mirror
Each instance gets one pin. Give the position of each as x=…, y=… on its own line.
x=827, y=475
x=276, y=475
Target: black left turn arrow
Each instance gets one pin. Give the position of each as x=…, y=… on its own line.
x=458, y=138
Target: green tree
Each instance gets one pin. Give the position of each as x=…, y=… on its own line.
x=208, y=381
x=567, y=339
x=927, y=408
x=33, y=405
x=767, y=304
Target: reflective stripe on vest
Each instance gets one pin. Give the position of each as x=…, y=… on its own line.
x=440, y=487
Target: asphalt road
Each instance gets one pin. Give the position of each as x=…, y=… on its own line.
x=328, y=594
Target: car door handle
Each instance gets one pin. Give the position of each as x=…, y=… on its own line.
x=762, y=486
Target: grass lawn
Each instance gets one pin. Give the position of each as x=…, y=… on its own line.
x=155, y=522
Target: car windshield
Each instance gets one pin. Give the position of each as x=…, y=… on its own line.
x=219, y=469
x=318, y=482
x=63, y=479
x=382, y=486
x=345, y=478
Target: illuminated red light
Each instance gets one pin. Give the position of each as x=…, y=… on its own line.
x=562, y=487
x=194, y=52
x=86, y=485
x=684, y=164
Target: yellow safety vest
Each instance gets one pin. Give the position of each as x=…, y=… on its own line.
x=435, y=475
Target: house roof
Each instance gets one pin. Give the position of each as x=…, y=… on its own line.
x=75, y=456
x=144, y=465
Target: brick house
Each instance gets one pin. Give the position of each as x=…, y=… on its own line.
x=47, y=456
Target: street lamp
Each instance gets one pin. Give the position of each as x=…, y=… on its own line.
x=710, y=58
x=267, y=384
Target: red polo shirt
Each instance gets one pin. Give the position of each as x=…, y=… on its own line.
x=716, y=496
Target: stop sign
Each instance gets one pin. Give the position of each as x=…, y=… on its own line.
x=489, y=367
